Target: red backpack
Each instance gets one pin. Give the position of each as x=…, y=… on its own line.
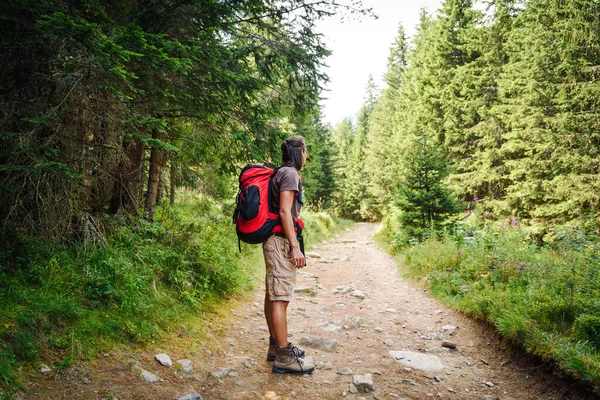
x=255, y=217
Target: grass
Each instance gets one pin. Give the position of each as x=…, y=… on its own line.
x=546, y=298
x=62, y=303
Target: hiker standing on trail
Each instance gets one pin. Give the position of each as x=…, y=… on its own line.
x=282, y=257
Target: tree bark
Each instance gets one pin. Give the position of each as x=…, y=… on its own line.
x=172, y=181
x=124, y=198
x=156, y=156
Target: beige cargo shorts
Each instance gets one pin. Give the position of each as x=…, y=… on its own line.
x=280, y=276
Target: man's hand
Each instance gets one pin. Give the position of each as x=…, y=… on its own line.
x=299, y=260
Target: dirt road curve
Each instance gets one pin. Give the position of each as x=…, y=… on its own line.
x=393, y=316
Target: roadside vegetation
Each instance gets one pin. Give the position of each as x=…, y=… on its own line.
x=60, y=304
x=544, y=298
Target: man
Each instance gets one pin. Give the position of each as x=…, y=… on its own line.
x=282, y=258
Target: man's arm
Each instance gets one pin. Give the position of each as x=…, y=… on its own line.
x=286, y=199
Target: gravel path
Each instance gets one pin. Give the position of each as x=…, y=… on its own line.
x=359, y=320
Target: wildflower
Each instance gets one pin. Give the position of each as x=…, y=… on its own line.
x=514, y=222
x=475, y=198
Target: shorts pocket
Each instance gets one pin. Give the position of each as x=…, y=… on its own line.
x=282, y=285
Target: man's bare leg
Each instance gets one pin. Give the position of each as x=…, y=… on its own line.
x=279, y=321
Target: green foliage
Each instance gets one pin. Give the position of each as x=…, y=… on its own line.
x=98, y=98
x=546, y=299
x=71, y=301
x=425, y=203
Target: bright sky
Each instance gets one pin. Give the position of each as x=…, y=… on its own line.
x=361, y=48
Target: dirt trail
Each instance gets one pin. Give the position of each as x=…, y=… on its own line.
x=395, y=315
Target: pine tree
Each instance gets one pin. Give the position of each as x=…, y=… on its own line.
x=549, y=106
x=381, y=163
x=424, y=201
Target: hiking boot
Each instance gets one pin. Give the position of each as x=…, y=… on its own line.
x=273, y=350
x=289, y=361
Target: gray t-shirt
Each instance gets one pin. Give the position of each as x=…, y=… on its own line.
x=286, y=178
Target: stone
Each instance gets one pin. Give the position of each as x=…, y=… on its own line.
x=489, y=384
x=423, y=362
x=305, y=290
x=363, y=383
x=408, y=382
x=450, y=328
x=332, y=328
x=164, y=359
x=239, y=383
x=359, y=295
x=352, y=389
x=192, y=395
x=312, y=254
x=148, y=376
x=388, y=342
x=250, y=362
x=345, y=371
x=325, y=366
x=221, y=373
x=378, y=330
x=186, y=365
x=318, y=343
x=357, y=322
x=391, y=310
x=431, y=336
x=44, y=369
x=448, y=344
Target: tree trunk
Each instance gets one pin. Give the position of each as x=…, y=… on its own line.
x=127, y=183
x=172, y=181
x=156, y=156
x=161, y=185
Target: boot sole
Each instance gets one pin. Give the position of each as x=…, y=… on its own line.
x=277, y=370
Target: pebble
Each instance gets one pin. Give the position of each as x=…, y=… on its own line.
x=44, y=369
x=363, y=383
x=325, y=366
x=220, y=374
x=378, y=330
x=319, y=343
x=148, y=376
x=352, y=389
x=164, y=359
x=388, y=342
x=186, y=365
x=489, y=384
x=190, y=396
x=359, y=295
x=345, y=371
x=305, y=290
x=448, y=344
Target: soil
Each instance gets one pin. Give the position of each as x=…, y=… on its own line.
x=229, y=358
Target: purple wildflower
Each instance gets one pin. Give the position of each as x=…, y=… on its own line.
x=514, y=222
x=475, y=198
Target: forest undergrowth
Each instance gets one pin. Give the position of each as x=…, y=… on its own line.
x=543, y=298
x=62, y=303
